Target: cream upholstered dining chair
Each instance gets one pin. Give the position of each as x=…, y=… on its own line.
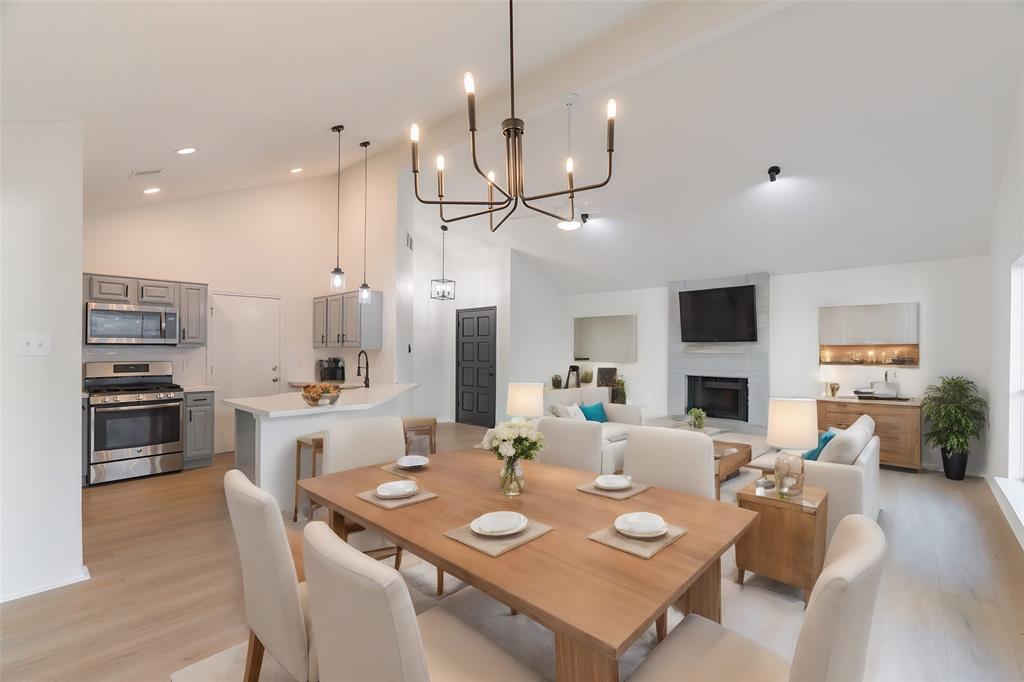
x=833, y=641
x=672, y=458
x=276, y=603
x=571, y=443
x=363, y=616
x=354, y=443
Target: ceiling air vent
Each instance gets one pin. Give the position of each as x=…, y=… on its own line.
x=144, y=173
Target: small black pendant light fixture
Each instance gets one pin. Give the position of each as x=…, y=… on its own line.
x=442, y=289
x=337, y=274
x=364, y=288
x=773, y=173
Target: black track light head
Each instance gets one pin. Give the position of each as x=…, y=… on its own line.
x=773, y=172
x=584, y=217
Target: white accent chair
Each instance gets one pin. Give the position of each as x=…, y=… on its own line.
x=276, y=603
x=833, y=641
x=621, y=419
x=363, y=615
x=572, y=443
x=672, y=458
x=848, y=468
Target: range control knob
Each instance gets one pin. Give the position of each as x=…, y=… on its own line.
x=106, y=399
x=117, y=398
x=140, y=397
x=159, y=395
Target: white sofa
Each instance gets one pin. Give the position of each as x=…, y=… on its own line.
x=613, y=433
x=847, y=468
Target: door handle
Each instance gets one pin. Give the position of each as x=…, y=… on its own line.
x=323, y=338
x=276, y=379
x=274, y=368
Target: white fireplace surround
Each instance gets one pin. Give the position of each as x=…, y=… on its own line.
x=743, y=360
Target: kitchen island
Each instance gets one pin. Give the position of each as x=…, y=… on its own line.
x=266, y=428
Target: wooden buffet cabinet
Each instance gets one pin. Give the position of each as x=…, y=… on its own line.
x=897, y=425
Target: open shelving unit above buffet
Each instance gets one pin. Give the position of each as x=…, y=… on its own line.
x=871, y=335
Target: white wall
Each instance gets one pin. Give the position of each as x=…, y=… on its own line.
x=954, y=328
x=41, y=445
x=541, y=326
x=646, y=379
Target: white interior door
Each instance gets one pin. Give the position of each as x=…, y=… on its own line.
x=245, y=355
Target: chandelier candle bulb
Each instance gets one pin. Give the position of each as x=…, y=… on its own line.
x=414, y=136
x=440, y=176
x=470, y=99
x=611, y=125
x=568, y=165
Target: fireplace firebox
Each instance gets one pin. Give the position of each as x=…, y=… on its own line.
x=722, y=397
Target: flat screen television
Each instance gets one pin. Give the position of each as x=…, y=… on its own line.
x=725, y=314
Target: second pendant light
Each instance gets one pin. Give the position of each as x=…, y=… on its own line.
x=364, y=288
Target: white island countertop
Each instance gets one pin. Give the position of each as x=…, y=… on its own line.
x=292, y=404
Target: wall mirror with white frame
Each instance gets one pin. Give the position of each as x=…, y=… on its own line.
x=609, y=338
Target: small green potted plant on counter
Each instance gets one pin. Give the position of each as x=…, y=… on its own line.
x=587, y=377
x=556, y=381
x=955, y=413
x=697, y=417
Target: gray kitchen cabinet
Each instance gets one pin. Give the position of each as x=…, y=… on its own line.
x=350, y=316
x=859, y=325
x=364, y=322
x=320, y=322
x=833, y=325
x=335, y=332
x=155, y=292
x=198, y=429
x=109, y=289
x=192, y=314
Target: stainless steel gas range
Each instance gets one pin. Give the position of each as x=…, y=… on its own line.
x=136, y=416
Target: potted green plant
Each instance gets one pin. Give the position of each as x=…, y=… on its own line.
x=698, y=416
x=619, y=392
x=556, y=381
x=955, y=413
x=587, y=376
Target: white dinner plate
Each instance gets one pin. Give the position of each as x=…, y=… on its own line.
x=641, y=525
x=394, y=490
x=613, y=482
x=498, y=523
x=412, y=462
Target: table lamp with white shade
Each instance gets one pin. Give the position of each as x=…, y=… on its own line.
x=525, y=400
x=792, y=425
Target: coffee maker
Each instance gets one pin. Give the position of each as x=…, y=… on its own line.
x=331, y=369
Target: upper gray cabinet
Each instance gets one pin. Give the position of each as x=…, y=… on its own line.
x=110, y=289
x=350, y=320
x=886, y=324
x=192, y=314
x=155, y=292
x=320, y=322
x=335, y=335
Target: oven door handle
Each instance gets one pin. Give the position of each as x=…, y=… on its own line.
x=147, y=406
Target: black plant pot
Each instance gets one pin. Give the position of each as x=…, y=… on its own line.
x=954, y=464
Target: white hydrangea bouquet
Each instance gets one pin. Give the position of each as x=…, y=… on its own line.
x=513, y=442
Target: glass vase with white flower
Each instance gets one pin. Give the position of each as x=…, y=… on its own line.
x=512, y=442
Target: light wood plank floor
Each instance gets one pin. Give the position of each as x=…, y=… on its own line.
x=166, y=585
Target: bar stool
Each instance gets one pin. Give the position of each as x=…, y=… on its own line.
x=315, y=443
x=420, y=426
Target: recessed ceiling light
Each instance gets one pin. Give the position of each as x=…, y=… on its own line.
x=151, y=190
x=295, y=170
x=185, y=151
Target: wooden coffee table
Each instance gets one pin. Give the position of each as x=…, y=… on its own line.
x=729, y=457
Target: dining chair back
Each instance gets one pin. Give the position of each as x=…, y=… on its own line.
x=671, y=458
x=354, y=443
x=363, y=609
x=273, y=602
x=833, y=640
x=571, y=443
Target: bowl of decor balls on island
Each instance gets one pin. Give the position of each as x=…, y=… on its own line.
x=320, y=394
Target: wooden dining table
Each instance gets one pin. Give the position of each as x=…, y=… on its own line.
x=595, y=599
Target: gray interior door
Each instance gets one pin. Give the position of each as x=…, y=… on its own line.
x=475, y=336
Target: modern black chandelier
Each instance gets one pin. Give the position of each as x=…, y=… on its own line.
x=514, y=191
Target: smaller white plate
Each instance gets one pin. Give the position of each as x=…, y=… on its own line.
x=641, y=525
x=613, y=482
x=499, y=523
x=394, y=490
x=412, y=462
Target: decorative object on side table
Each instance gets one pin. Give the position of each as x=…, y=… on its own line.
x=956, y=413
x=513, y=442
x=789, y=474
x=697, y=417
x=587, y=377
x=556, y=381
x=572, y=377
x=833, y=389
x=792, y=424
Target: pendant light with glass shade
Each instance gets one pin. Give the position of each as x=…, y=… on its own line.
x=337, y=274
x=442, y=289
x=364, y=288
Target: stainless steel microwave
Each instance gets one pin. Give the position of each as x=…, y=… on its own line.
x=116, y=323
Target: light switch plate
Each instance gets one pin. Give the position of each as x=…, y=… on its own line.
x=33, y=343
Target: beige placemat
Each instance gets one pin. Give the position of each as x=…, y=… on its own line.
x=644, y=549
x=421, y=496
x=498, y=546
x=393, y=468
x=614, y=494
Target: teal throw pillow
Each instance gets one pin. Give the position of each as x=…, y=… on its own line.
x=823, y=440
x=594, y=413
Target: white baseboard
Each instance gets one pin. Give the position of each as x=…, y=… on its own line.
x=83, y=576
x=1010, y=496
